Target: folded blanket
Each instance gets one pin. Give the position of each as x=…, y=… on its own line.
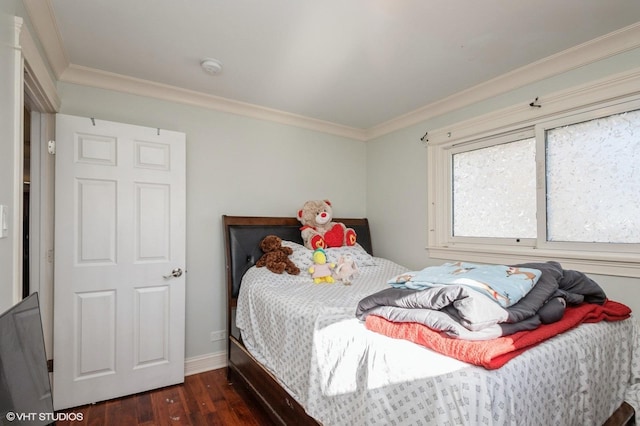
x=460, y=312
x=573, y=286
x=503, y=284
x=492, y=354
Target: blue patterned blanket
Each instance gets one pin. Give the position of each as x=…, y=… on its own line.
x=505, y=285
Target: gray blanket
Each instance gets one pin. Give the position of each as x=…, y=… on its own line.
x=464, y=313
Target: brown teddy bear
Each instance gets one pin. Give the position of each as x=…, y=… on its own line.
x=276, y=257
x=318, y=229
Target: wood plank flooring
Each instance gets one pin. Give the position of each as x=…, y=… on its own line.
x=204, y=399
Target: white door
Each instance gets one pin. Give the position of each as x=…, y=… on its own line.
x=119, y=313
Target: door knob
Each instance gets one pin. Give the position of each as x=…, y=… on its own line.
x=177, y=272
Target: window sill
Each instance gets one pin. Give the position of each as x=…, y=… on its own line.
x=616, y=264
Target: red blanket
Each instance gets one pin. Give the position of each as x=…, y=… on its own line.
x=495, y=353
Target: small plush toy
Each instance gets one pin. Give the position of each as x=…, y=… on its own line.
x=318, y=230
x=276, y=257
x=346, y=269
x=321, y=270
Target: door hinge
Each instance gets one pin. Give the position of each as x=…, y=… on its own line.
x=51, y=147
x=50, y=365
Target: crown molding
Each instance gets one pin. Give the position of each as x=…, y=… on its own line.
x=117, y=82
x=44, y=23
x=612, y=88
x=611, y=44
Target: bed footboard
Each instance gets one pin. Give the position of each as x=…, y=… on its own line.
x=625, y=415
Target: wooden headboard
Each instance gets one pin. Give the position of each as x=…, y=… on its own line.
x=243, y=235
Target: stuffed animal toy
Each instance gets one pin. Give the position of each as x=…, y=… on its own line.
x=319, y=231
x=276, y=257
x=346, y=269
x=321, y=270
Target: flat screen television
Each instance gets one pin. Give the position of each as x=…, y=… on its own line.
x=25, y=389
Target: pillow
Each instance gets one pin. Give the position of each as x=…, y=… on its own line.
x=357, y=253
x=301, y=256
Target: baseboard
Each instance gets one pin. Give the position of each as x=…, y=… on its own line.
x=202, y=363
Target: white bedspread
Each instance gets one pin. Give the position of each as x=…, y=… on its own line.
x=343, y=374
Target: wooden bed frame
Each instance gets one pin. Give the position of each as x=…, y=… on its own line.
x=242, y=236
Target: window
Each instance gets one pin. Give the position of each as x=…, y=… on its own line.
x=593, y=180
x=494, y=190
x=565, y=189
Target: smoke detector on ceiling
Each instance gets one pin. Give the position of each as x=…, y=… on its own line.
x=212, y=66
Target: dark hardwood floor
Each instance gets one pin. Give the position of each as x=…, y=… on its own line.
x=204, y=399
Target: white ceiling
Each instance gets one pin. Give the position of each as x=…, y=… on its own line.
x=357, y=63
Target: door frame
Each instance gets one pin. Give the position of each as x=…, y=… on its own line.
x=40, y=95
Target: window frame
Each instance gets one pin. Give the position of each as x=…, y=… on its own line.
x=570, y=108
